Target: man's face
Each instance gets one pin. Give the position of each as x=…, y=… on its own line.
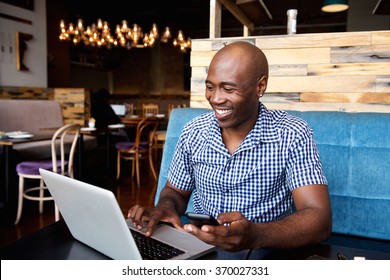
x=231, y=92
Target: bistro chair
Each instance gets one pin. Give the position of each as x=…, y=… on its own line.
x=150, y=109
x=63, y=147
x=139, y=149
x=159, y=140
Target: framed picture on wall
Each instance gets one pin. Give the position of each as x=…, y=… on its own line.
x=25, y=4
x=21, y=48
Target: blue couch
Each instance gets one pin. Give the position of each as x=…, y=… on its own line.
x=355, y=153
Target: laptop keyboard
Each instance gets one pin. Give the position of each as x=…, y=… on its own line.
x=152, y=249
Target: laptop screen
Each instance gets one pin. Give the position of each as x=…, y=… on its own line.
x=119, y=109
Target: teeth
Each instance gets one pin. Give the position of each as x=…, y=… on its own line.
x=222, y=112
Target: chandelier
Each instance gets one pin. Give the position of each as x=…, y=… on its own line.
x=99, y=34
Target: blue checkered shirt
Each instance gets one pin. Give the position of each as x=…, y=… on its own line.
x=277, y=156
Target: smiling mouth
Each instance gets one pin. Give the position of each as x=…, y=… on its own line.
x=223, y=112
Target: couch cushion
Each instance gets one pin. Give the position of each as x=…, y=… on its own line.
x=30, y=115
x=35, y=116
x=355, y=153
x=42, y=149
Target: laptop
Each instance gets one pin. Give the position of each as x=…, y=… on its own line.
x=119, y=109
x=94, y=218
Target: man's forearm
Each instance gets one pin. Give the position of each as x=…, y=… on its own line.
x=172, y=199
x=308, y=226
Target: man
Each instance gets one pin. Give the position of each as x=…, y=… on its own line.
x=101, y=109
x=257, y=171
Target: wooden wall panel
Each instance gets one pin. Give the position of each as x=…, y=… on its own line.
x=322, y=84
x=25, y=93
x=201, y=58
x=288, y=70
x=351, y=69
x=378, y=38
x=314, y=40
x=347, y=71
x=356, y=54
x=298, y=56
x=75, y=104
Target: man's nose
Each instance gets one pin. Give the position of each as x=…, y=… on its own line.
x=219, y=96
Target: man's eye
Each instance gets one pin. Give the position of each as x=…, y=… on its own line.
x=209, y=88
x=229, y=90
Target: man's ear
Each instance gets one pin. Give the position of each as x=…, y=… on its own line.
x=262, y=86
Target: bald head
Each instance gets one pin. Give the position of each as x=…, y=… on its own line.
x=236, y=79
x=250, y=57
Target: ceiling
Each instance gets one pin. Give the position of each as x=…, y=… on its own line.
x=192, y=16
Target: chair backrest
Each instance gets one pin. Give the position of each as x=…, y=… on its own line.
x=146, y=129
x=177, y=120
x=150, y=108
x=66, y=134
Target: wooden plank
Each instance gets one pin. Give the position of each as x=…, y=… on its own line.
x=75, y=121
x=199, y=103
x=383, y=84
x=199, y=71
x=319, y=40
x=69, y=90
x=219, y=44
x=72, y=98
x=199, y=97
x=322, y=84
x=326, y=97
x=280, y=97
x=357, y=54
x=201, y=58
x=197, y=84
x=215, y=19
x=380, y=37
x=351, y=97
x=238, y=14
x=349, y=69
x=288, y=70
x=75, y=104
x=298, y=56
x=199, y=93
x=340, y=107
x=199, y=74
x=201, y=45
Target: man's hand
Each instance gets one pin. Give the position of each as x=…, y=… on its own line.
x=233, y=234
x=139, y=214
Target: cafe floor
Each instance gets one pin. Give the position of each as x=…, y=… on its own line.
x=125, y=190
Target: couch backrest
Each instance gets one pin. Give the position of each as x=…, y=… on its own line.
x=177, y=119
x=30, y=115
x=355, y=153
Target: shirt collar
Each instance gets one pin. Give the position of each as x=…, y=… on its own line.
x=265, y=128
x=264, y=131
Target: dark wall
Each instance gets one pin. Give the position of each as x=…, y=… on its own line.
x=161, y=70
x=58, y=52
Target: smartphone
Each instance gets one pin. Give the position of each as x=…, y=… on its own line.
x=201, y=219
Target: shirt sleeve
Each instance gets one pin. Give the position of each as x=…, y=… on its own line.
x=180, y=173
x=304, y=165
